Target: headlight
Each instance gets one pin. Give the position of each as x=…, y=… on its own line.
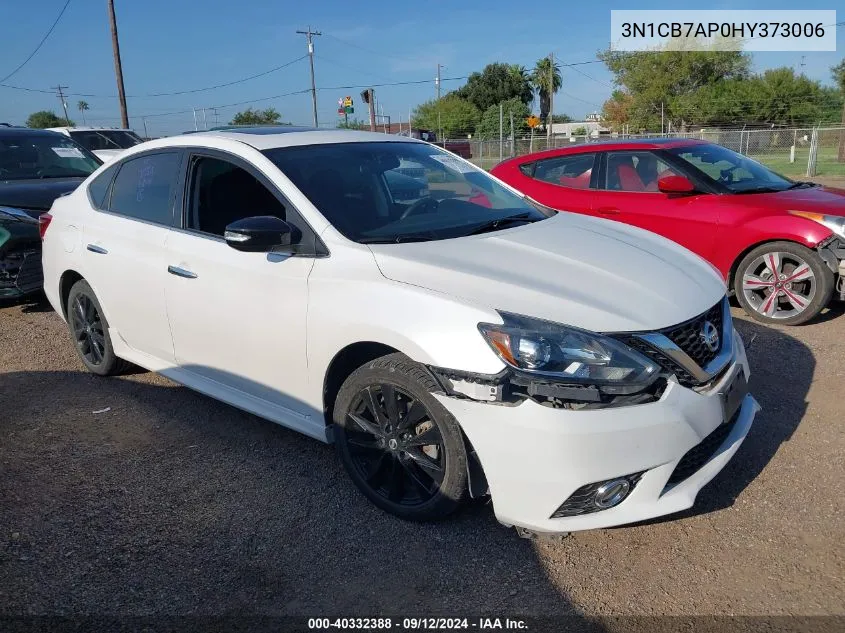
x=835, y=223
x=568, y=354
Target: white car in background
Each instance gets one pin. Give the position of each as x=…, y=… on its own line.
x=582, y=372
x=105, y=143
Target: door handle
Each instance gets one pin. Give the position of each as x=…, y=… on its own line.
x=608, y=211
x=97, y=249
x=181, y=272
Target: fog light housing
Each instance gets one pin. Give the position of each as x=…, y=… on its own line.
x=612, y=493
x=598, y=496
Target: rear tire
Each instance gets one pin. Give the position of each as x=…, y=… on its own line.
x=89, y=331
x=800, y=291
x=398, y=444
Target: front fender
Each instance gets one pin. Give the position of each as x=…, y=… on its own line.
x=739, y=239
x=429, y=327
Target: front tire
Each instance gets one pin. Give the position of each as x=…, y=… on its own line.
x=783, y=282
x=90, y=332
x=399, y=445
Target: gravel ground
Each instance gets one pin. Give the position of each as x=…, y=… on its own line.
x=172, y=503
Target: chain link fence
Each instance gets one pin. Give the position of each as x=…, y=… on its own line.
x=795, y=152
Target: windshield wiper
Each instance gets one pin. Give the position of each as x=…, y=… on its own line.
x=802, y=185
x=500, y=223
x=396, y=239
x=759, y=190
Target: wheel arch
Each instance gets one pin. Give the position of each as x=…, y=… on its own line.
x=344, y=362
x=355, y=355
x=66, y=281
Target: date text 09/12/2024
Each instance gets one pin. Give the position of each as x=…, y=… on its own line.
x=413, y=624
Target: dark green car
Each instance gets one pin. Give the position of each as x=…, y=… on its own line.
x=36, y=167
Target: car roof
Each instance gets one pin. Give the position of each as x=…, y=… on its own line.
x=11, y=132
x=270, y=137
x=89, y=129
x=612, y=144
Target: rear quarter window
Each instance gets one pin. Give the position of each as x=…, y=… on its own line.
x=99, y=188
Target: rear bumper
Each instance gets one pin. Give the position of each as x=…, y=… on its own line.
x=20, y=273
x=536, y=457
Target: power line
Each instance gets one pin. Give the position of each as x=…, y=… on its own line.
x=164, y=94
x=395, y=83
x=224, y=85
x=40, y=44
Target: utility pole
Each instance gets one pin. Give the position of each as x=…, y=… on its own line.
x=661, y=117
x=437, y=81
x=803, y=57
x=61, y=97
x=118, y=69
x=551, y=96
x=146, y=135
x=308, y=35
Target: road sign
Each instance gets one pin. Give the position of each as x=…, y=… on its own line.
x=347, y=102
x=533, y=121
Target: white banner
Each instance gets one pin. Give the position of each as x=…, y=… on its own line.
x=723, y=30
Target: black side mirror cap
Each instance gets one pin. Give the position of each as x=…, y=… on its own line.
x=261, y=234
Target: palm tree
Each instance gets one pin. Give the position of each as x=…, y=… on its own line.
x=522, y=78
x=82, y=106
x=547, y=81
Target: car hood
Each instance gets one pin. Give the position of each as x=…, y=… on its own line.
x=827, y=200
x=107, y=155
x=593, y=274
x=35, y=195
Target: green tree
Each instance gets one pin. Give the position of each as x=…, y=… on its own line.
x=777, y=97
x=46, y=118
x=652, y=78
x=249, y=116
x=580, y=131
x=496, y=83
x=353, y=124
x=839, y=77
x=489, y=126
x=616, y=111
x=561, y=118
x=449, y=117
x=547, y=80
x=82, y=106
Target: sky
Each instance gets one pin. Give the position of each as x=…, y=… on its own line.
x=178, y=45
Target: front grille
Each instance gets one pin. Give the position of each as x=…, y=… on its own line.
x=683, y=376
x=581, y=501
x=688, y=337
x=702, y=452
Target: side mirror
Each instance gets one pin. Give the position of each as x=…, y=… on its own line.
x=259, y=234
x=675, y=184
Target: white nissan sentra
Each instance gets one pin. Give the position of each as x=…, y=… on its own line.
x=452, y=338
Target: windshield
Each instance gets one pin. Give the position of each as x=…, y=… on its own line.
x=105, y=139
x=738, y=173
x=25, y=156
x=400, y=191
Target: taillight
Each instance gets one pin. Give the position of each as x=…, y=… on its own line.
x=43, y=222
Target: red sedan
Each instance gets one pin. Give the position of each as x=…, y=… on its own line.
x=780, y=244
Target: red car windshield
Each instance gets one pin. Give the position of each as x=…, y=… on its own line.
x=734, y=171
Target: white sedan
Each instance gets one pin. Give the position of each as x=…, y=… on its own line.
x=467, y=342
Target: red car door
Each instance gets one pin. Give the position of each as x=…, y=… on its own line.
x=628, y=193
x=561, y=182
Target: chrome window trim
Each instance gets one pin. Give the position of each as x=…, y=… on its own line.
x=702, y=374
